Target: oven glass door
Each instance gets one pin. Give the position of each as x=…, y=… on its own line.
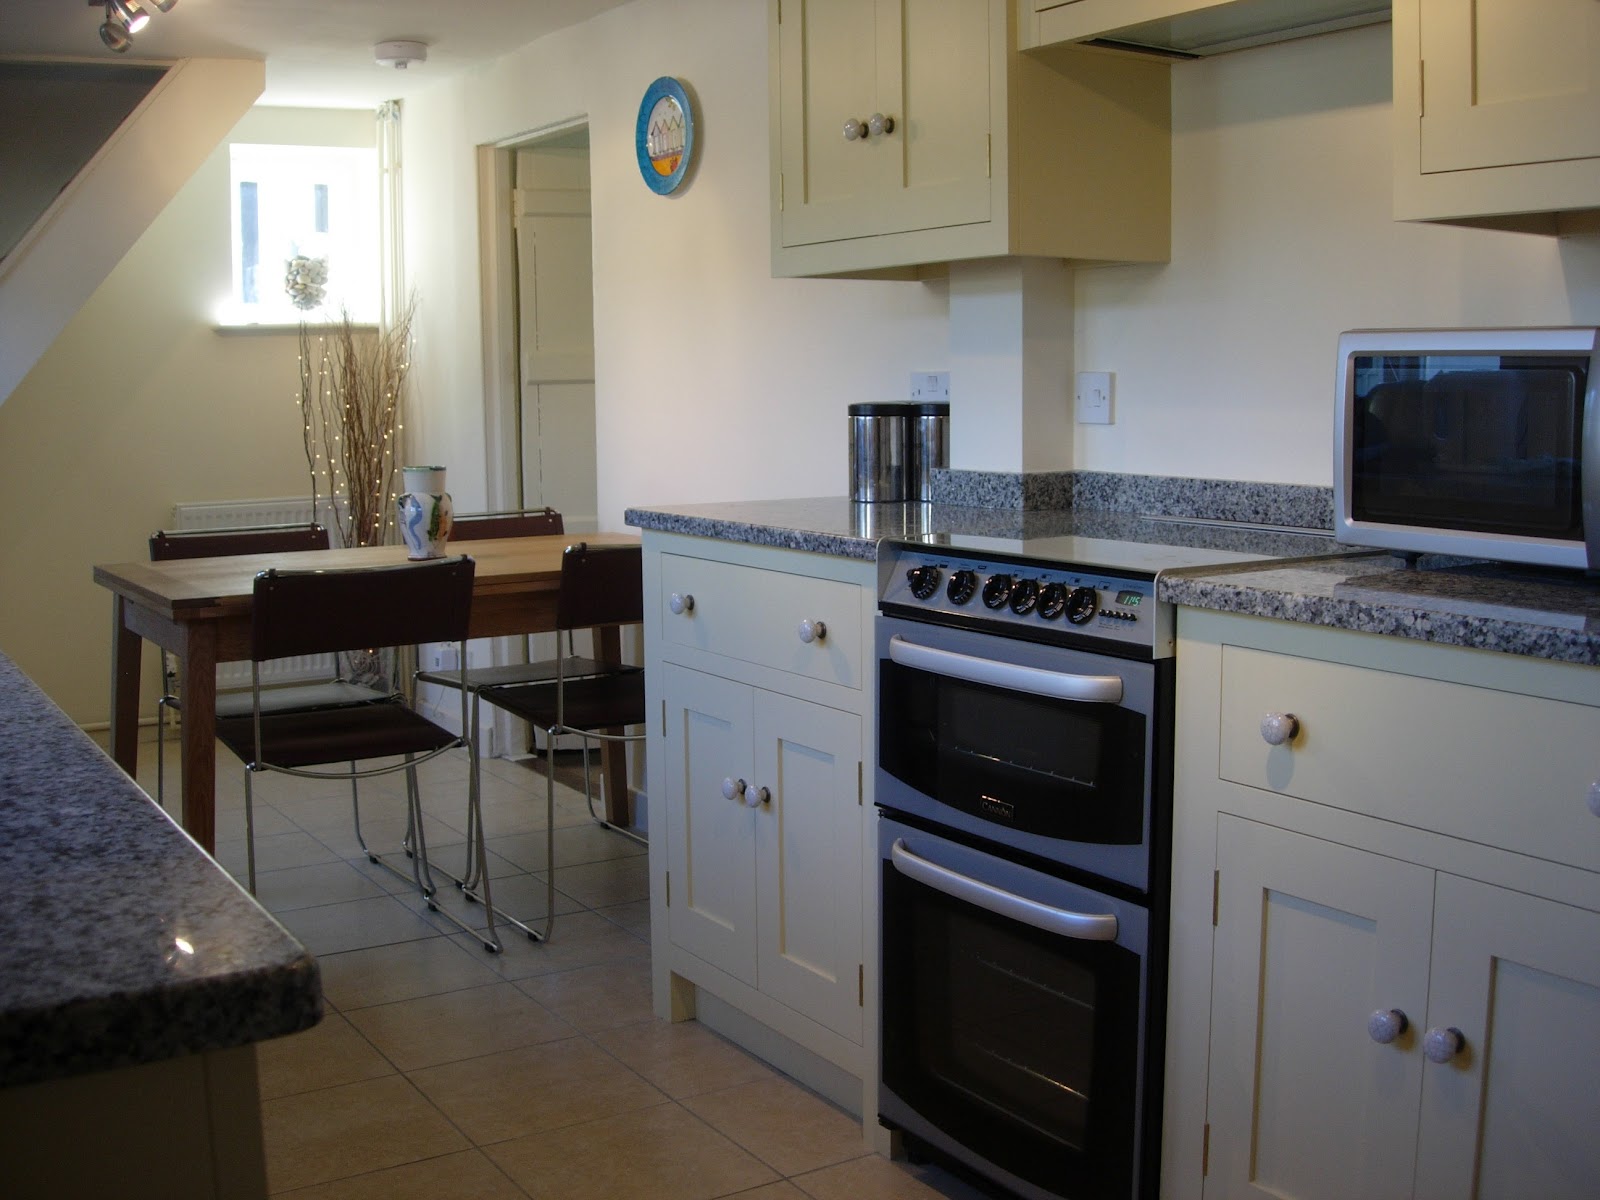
x=1032, y=761
x=1021, y=1045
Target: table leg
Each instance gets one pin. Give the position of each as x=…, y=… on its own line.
x=199, y=734
x=126, y=649
x=613, y=755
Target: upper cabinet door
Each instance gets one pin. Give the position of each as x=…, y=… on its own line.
x=924, y=67
x=1507, y=82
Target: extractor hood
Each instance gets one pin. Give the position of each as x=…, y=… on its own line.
x=1241, y=24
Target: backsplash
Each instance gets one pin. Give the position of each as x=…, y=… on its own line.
x=1297, y=506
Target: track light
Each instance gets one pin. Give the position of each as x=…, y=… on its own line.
x=164, y=5
x=124, y=18
x=115, y=34
x=130, y=12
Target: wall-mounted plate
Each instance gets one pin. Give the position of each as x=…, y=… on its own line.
x=663, y=138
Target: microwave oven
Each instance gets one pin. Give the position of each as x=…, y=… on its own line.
x=1483, y=443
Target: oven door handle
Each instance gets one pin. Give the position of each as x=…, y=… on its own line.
x=1097, y=689
x=1085, y=927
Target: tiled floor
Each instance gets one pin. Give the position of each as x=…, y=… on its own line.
x=443, y=1070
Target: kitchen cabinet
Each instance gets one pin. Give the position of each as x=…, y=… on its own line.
x=1421, y=841
x=906, y=133
x=1497, y=109
x=762, y=915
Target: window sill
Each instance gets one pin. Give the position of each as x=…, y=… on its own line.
x=280, y=329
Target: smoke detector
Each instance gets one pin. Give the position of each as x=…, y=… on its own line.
x=400, y=55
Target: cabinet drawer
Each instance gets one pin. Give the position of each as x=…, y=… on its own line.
x=755, y=615
x=1499, y=768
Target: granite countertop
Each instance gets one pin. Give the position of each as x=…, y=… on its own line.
x=1486, y=606
x=123, y=942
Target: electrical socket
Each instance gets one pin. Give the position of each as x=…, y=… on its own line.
x=446, y=656
x=929, y=387
x=1094, y=398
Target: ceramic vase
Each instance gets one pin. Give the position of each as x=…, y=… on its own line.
x=424, y=512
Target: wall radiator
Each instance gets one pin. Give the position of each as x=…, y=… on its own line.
x=238, y=514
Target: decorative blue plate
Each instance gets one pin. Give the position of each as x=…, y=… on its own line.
x=663, y=139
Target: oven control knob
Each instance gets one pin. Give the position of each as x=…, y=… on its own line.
x=1024, y=596
x=996, y=591
x=1052, y=601
x=1082, y=604
x=924, y=581
x=962, y=586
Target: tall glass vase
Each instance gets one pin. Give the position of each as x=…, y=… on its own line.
x=424, y=512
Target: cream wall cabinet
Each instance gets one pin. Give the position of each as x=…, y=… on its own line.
x=1496, y=108
x=1424, y=844
x=1192, y=26
x=979, y=152
x=762, y=912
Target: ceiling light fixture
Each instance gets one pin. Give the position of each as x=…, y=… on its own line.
x=124, y=18
x=400, y=55
x=115, y=34
x=130, y=12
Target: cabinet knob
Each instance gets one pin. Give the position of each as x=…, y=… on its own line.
x=1387, y=1024
x=755, y=797
x=855, y=130
x=1594, y=797
x=680, y=602
x=813, y=631
x=1278, y=728
x=733, y=789
x=878, y=124
x=1441, y=1045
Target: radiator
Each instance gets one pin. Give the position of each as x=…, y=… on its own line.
x=237, y=514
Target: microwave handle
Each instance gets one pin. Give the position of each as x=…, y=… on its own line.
x=1084, y=927
x=1098, y=689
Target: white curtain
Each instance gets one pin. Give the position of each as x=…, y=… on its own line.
x=391, y=231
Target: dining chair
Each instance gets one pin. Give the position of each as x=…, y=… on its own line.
x=166, y=545
x=318, y=612
x=600, y=586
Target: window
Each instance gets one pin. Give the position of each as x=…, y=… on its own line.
x=310, y=208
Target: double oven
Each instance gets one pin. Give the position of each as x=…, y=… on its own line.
x=1024, y=785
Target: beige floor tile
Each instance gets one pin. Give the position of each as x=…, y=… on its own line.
x=468, y=1175
x=595, y=998
x=782, y=1124
x=329, y=1053
x=403, y=971
x=311, y=886
x=315, y=1137
x=430, y=1030
x=521, y=956
x=782, y=1190
x=275, y=853
x=875, y=1176
x=545, y=1087
x=661, y=1153
x=633, y=916
x=379, y=921
x=683, y=1058
x=601, y=884
x=575, y=845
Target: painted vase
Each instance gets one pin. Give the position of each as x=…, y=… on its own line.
x=424, y=512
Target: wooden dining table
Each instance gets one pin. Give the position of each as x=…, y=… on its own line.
x=199, y=609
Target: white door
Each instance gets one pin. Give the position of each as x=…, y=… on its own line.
x=711, y=901
x=809, y=839
x=1515, y=1113
x=1313, y=938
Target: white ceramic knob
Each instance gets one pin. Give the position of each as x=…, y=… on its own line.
x=1441, y=1045
x=755, y=797
x=854, y=130
x=812, y=631
x=680, y=602
x=1278, y=728
x=878, y=124
x=1594, y=797
x=733, y=789
x=1387, y=1024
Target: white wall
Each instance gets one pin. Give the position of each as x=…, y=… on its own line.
x=1282, y=238
x=713, y=380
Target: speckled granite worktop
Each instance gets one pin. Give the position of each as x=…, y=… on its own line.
x=1543, y=614
x=121, y=942
x=1486, y=606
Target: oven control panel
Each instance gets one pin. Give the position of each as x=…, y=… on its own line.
x=1023, y=597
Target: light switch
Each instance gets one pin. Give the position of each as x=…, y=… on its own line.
x=1094, y=398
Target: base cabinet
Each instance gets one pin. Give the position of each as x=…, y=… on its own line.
x=1371, y=995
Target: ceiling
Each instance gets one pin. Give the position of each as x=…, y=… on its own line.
x=318, y=52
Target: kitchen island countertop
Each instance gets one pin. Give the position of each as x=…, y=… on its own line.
x=123, y=942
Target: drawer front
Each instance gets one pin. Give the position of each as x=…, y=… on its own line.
x=755, y=615
x=1499, y=768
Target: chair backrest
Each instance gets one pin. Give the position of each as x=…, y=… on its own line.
x=600, y=585
x=531, y=523
x=256, y=539
x=314, y=612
